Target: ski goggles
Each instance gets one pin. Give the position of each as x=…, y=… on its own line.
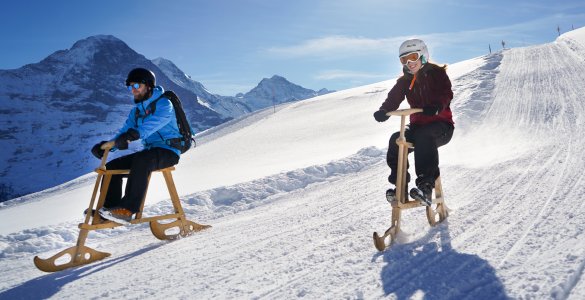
x=133, y=86
x=409, y=57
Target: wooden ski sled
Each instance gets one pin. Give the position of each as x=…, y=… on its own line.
x=80, y=254
x=436, y=212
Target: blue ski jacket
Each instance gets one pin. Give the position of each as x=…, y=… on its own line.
x=155, y=128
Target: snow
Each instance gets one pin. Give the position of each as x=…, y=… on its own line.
x=294, y=194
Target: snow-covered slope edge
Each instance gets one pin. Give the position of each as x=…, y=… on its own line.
x=204, y=205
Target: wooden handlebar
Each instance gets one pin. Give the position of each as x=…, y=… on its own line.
x=404, y=112
x=108, y=145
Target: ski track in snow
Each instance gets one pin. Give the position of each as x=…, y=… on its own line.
x=514, y=229
x=529, y=197
x=291, y=260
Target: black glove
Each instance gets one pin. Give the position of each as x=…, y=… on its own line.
x=97, y=150
x=431, y=110
x=381, y=116
x=122, y=140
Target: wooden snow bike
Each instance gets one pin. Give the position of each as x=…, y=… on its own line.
x=80, y=254
x=436, y=212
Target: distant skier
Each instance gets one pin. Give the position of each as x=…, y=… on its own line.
x=427, y=86
x=156, y=130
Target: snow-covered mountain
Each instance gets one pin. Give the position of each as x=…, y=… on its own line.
x=277, y=90
x=229, y=107
x=294, y=196
x=53, y=111
x=269, y=92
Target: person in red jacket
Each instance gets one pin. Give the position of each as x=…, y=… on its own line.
x=427, y=86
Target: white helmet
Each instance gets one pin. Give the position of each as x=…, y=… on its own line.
x=415, y=45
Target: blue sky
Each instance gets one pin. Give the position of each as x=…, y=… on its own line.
x=230, y=45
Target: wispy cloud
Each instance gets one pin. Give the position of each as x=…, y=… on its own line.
x=343, y=47
x=336, y=46
x=345, y=74
x=339, y=46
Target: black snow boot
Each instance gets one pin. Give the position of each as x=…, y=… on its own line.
x=423, y=193
x=391, y=195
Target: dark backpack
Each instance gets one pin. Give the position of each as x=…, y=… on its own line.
x=185, y=142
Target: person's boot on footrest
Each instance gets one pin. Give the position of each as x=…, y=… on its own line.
x=119, y=215
x=423, y=192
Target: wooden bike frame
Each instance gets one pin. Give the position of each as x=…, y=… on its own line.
x=436, y=212
x=80, y=254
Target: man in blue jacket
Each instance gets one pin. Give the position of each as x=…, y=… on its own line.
x=155, y=130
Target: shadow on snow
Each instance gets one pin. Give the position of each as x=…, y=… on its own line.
x=431, y=267
x=47, y=286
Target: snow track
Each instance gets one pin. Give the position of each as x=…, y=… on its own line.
x=526, y=217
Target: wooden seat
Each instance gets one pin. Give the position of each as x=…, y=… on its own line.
x=138, y=216
x=157, y=229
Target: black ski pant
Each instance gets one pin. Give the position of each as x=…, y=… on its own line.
x=426, y=140
x=141, y=164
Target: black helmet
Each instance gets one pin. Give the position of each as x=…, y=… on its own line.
x=141, y=75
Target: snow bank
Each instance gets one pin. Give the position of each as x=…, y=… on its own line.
x=205, y=205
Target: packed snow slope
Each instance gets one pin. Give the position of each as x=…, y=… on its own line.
x=294, y=195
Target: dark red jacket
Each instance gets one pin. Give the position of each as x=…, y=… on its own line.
x=431, y=87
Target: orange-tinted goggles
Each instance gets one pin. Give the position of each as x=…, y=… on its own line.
x=409, y=57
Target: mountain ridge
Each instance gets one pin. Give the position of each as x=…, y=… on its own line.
x=55, y=110
x=259, y=97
